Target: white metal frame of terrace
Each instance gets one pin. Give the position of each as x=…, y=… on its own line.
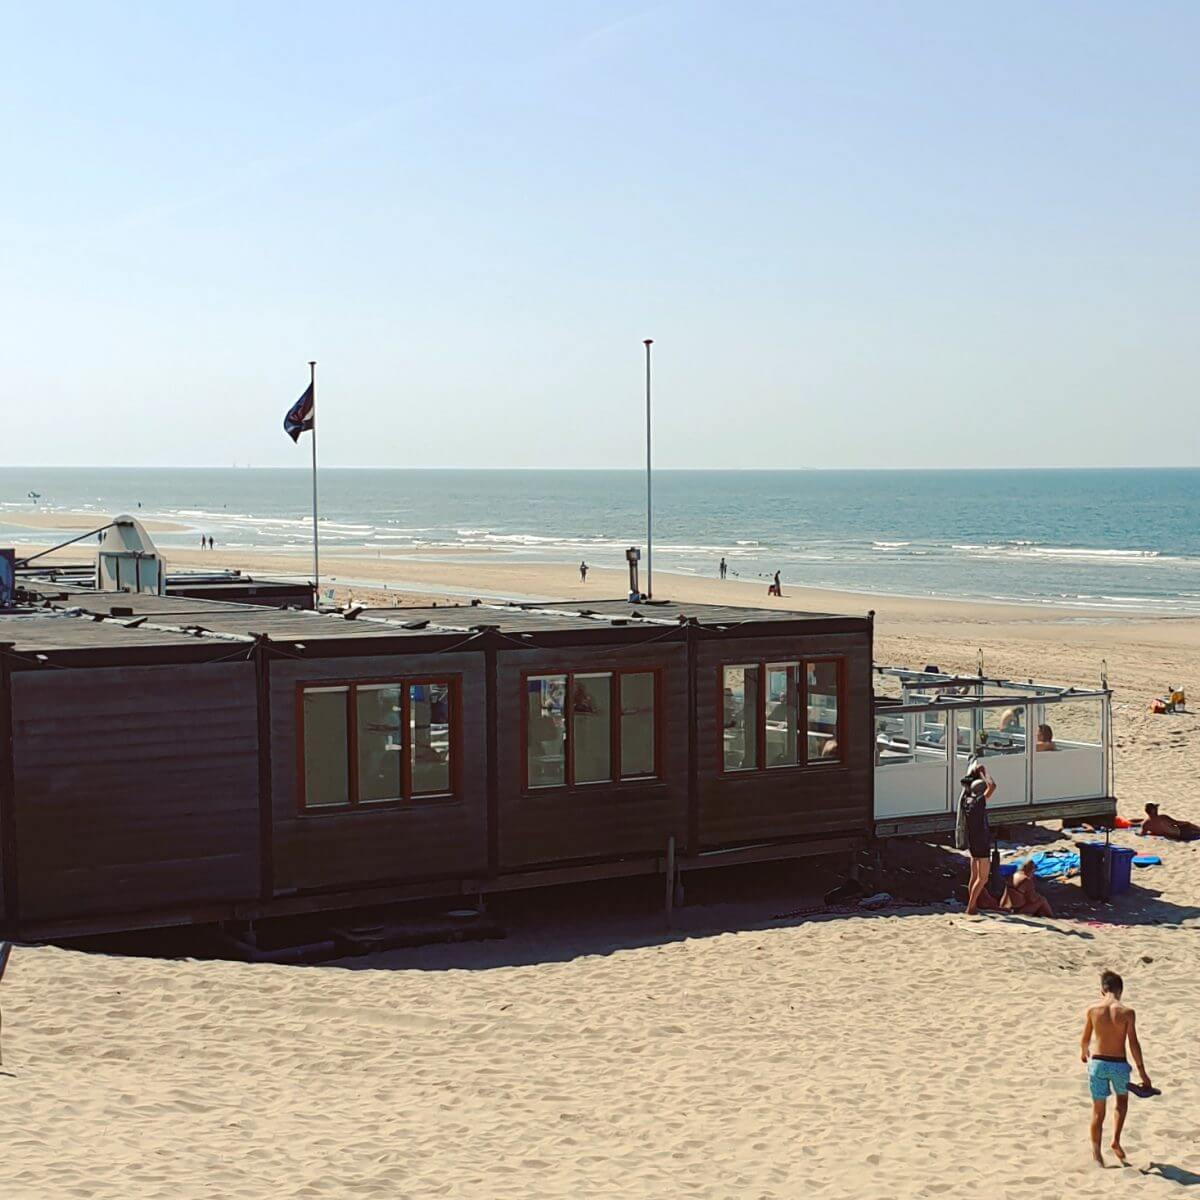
x=917, y=776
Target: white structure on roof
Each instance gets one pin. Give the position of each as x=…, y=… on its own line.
x=128, y=561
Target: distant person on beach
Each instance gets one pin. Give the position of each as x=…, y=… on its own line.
x=203, y=542
x=978, y=787
x=1159, y=824
x=1107, y=1028
x=723, y=568
x=1045, y=738
x=774, y=588
x=211, y=543
x=1021, y=896
x=583, y=570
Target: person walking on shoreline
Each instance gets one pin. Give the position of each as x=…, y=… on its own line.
x=723, y=568
x=1108, y=1027
x=583, y=570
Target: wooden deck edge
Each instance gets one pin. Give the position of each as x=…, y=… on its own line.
x=315, y=902
x=936, y=823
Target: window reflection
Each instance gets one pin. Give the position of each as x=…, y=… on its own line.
x=546, y=730
x=637, y=725
x=823, y=712
x=429, y=737
x=741, y=718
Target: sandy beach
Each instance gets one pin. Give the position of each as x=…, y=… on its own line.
x=908, y=1054
x=73, y=522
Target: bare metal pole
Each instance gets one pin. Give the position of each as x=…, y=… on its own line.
x=648, y=342
x=312, y=383
x=21, y=562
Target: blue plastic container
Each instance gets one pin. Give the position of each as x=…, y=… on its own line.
x=1007, y=871
x=1121, y=869
x=1091, y=869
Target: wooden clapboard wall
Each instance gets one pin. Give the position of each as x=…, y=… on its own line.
x=136, y=788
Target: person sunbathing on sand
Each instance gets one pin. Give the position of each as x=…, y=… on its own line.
x=1108, y=1027
x=1160, y=825
x=1021, y=896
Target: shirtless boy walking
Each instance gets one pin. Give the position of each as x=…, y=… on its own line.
x=1108, y=1027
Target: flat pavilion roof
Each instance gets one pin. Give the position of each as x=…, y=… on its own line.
x=74, y=619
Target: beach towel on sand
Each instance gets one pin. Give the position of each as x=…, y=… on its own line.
x=1053, y=864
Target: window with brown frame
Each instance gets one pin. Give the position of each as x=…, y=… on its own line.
x=781, y=714
x=372, y=743
x=590, y=727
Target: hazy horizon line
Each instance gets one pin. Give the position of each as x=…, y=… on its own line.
x=596, y=470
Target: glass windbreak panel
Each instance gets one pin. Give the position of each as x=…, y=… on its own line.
x=637, y=726
x=911, y=781
x=591, y=727
x=741, y=718
x=1068, y=763
x=823, y=712
x=1001, y=730
x=892, y=744
x=1073, y=724
x=546, y=746
x=326, y=759
x=783, y=715
x=377, y=711
x=429, y=737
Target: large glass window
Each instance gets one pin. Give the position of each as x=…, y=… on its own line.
x=429, y=737
x=783, y=715
x=637, y=725
x=546, y=731
x=376, y=743
x=326, y=773
x=822, y=694
x=379, y=744
x=741, y=718
x=763, y=706
x=593, y=727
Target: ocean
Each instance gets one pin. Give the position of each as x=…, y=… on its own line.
x=1110, y=540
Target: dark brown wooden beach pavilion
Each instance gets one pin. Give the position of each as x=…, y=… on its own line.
x=170, y=760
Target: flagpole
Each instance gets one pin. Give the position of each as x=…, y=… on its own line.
x=648, y=342
x=312, y=369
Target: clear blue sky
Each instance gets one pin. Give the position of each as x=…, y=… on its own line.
x=862, y=234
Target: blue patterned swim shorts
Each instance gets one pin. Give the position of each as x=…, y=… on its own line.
x=1102, y=1072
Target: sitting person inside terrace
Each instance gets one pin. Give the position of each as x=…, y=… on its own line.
x=1021, y=896
x=1045, y=738
x=1159, y=824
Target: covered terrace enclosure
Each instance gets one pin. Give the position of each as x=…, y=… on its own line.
x=1048, y=748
